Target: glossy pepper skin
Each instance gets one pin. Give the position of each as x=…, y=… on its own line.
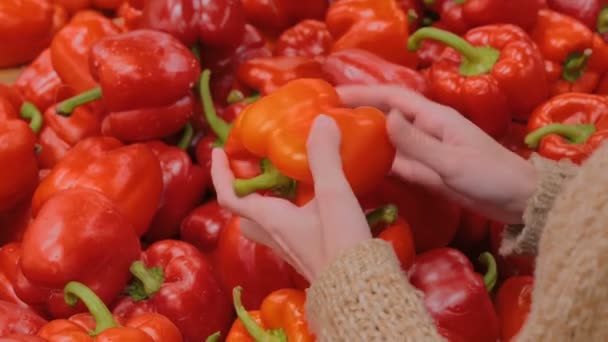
x=130, y=176
x=100, y=325
x=378, y=26
x=277, y=15
x=10, y=102
x=356, y=66
x=39, y=84
x=78, y=235
x=17, y=145
x=203, y=226
x=242, y=262
x=70, y=56
x=281, y=317
x=387, y=225
x=490, y=75
x=18, y=320
x=73, y=6
x=176, y=280
x=456, y=297
x=449, y=15
x=216, y=23
x=183, y=187
x=147, y=98
x=10, y=253
x=308, y=38
x=33, y=21
x=60, y=133
x=569, y=126
x=276, y=126
x=513, y=303
x=433, y=219
x=268, y=74
x=575, y=57
x=592, y=13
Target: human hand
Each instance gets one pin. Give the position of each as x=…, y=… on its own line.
x=307, y=237
x=439, y=148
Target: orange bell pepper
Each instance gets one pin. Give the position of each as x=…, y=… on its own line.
x=282, y=312
x=277, y=126
x=378, y=26
x=26, y=28
x=74, y=6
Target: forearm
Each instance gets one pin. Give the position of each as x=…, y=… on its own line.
x=364, y=296
x=570, y=300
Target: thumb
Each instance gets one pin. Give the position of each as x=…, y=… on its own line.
x=414, y=144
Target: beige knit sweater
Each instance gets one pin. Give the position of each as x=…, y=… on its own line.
x=364, y=295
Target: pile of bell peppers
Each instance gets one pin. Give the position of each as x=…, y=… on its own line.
x=109, y=228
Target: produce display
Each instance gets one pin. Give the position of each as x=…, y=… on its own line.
x=109, y=111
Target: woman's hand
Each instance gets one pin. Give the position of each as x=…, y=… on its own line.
x=308, y=237
x=439, y=148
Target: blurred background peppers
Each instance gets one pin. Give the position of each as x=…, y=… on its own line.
x=308, y=38
x=513, y=302
x=591, y=13
x=275, y=16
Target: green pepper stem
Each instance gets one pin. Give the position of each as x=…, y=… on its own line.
x=386, y=214
x=412, y=16
x=66, y=107
x=186, y=139
x=602, y=20
x=252, y=327
x=29, y=111
x=214, y=337
x=270, y=178
x=575, y=134
x=429, y=2
x=151, y=279
x=75, y=291
x=220, y=127
x=476, y=60
x=459, y=2
x=491, y=275
x=236, y=96
x=575, y=65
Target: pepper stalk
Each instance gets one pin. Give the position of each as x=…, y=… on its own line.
x=253, y=328
x=104, y=320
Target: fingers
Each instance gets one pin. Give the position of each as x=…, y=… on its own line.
x=416, y=172
x=337, y=205
x=416, y=145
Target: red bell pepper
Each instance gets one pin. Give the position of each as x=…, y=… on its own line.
x=17, y=145
x=447, y=15
x=278, y=15
x=39, y=84
x=288, y=114
x=456, y=297
x=592, y=13
x=513, y=305
x=281, y=317
x=215, y=22
x=31, y=21
x=514, y=140
x=130, y=176
x=59, y=133
x=356, y=66
x=145, y=79
x=242, y=262
x=21, y=338
x=267, y=74
x=511, y=265
x=472, y=232
x=68, y=241
x=100, y=325
x=491, y=75
x=203, y=226
x=18, y=320
x=569, y=126
x=74, y=6
x=413, y=10
x=183, y=188
x=308, y=38
x=575, y=58
x=432, y=219
x=131, y=11
x=388, y=226
x=378, y=26
x=10, y=102
x=174, y=279
x=14, y=222
x=70, y=56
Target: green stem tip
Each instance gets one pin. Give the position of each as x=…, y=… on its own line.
x=270, y=179
x=386, y=214
x=29, y=111
x=66, y=107
x=575, y=65
x=476, y=60
x=575, y=134
x=602, y=20
x=147, y=281
x=491, y=275
x=220, y=127
x=214, y=337
x=253, y=328
x=75, y=291
x=187, y=135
